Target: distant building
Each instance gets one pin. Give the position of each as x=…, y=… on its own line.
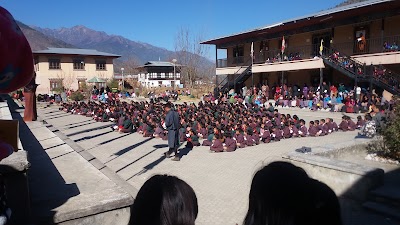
x=70, y=68
x=159, y=74
x=347, y=44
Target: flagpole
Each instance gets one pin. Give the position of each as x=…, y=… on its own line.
x=252, y=61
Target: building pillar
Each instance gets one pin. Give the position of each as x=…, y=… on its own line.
x=321, y=78
x=382, y=31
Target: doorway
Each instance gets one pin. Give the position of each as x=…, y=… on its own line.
x=316, y=43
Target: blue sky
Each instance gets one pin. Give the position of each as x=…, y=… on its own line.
x=157, y=22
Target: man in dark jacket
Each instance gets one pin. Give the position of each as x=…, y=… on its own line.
x=172, y=125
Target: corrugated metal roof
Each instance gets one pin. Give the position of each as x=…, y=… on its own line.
x=74, y=51
x=314, y=15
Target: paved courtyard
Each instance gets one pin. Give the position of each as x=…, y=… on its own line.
x=221, y=181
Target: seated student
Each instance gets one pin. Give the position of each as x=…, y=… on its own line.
x=293, y=129
x=210, y=138
x=202, y=132
x=149, y=129
x=217, y=145
x=249, y=141
x=119, y=124
x=351, y=124
x=159, y=132
x=127, y=126
x=324, y=127
x=319, y=128
x=312, y=130
x=286, y=131
x=303, y=129
x=332, y=125
x=272, y=200
x=276, y=133
x=344, y=126
x=193, y=139
x=164, y=199
x=369, y=128
x=265, y=134
x=229, y=143
x=360, y=122
x=256, y=137
x=239, y=138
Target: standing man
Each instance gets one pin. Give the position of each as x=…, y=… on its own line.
x=172, y=125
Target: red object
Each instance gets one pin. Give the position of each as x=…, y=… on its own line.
x=5, y=150
x=16, y=62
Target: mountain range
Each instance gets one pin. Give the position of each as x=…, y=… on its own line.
x=131, y=52
x=84, y=37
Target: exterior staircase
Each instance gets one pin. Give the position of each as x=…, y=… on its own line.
x=240, y=77
x=377, y=75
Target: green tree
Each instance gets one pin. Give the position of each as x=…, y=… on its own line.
x=391, y=134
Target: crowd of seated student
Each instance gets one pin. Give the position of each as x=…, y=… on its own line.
x=223, y=126
x=286, y=57
x=390, y=48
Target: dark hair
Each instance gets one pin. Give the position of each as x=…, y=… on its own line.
x=164, y=200
x=283, y=194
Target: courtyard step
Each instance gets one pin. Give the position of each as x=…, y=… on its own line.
x=383, y=209
x=388, y=195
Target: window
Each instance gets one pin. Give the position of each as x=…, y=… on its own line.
x=55, y=84
x=238, y=51
x=158, y=75
x=100, y=65
x=36, y=60
x=238, y=54
x=54, y=64
x=79, y=64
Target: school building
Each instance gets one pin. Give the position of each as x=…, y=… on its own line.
x=355, y=44
x=159, y=74
x=70, y=68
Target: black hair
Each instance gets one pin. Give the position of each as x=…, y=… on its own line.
x=164, y=200
x=283, y=194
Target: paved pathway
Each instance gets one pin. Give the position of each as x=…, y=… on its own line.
x=221, y=181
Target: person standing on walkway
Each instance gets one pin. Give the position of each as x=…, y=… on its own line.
x=172, y=125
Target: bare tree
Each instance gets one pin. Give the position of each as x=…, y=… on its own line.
x=131, y=66
x=190, y=54
x=67, y=79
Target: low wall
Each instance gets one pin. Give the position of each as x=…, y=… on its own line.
x=347, y=179
x=14, y=169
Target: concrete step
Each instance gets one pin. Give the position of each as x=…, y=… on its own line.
x=388, y=195
x=383, y=209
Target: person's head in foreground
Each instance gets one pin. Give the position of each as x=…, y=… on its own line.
x=283, y=194
x=164, y=200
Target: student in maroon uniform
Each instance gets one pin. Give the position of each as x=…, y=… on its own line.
x=319, y=128
x=352, y=125
x=344, y=126
x=248, y=137
x=324, y=127
x=239, y=138
x=294, y=130
x=265, y=134
x=312, y=130
x=303, y=129
x=230, y=143
x=286, y=131
x=217, y=145
x=360, y=122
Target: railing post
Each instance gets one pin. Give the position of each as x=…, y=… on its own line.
x=370, y=85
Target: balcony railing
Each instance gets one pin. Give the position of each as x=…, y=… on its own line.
x=369, y=46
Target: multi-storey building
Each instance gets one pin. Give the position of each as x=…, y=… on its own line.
x=355, y=44
x=69, y=68
x=159, y=74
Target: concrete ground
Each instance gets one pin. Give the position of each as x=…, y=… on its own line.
x=221, y=180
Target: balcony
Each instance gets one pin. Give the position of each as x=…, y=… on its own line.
x=372, y=51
